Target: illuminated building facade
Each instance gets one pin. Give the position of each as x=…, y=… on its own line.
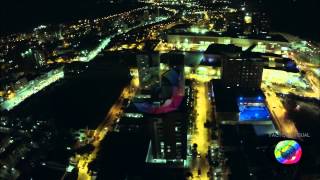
x=175, y=62
x=242, y=73
x=248, y=26
x=215, y=53
x=238, y=105
x=167, y=115
x=272, y=44
x=148, y=70
x=39, y=57
x=169, y=139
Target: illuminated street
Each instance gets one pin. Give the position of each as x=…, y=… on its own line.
x=105, y=126
x=201, y=135
x=159, y=90
x=285, y=126
x=287, y=82
x=32, y=88
x=312, y=75
x=284, y=83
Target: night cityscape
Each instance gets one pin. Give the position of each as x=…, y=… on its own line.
x=160, y=90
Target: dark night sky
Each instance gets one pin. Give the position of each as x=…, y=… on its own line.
x=19, y=15
x=296, y=16
x=299, y=17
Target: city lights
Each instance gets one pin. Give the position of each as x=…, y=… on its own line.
x=159, y=90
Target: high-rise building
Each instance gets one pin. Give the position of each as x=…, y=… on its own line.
x=168, y=138
x=35, y=55
x=39, y=57
x=148, y=70
x=175, y=62
x=248, y=23
x=242, y=73
x=167, y=115
x=215, y=53
x=263, y=25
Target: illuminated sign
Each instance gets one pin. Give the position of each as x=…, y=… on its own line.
x=288, y=152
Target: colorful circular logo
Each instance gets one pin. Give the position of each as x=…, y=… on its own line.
x=288, y=152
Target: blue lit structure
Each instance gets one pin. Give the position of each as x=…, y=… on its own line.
x=253, y=109
x=236, y=105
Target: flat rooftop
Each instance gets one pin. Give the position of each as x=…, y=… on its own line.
x=227, y=98
x=253, y=112
x=249, y=104
x=222, y=49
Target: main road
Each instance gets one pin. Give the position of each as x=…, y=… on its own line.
x=279, y=114
x=105, y=127
x=201, y=136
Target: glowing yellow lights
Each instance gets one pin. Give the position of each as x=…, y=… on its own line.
x=66, y=44
x=206, y=16
x=248, y=19
x=231, y=10
x=102, y=130
x=134, y=72
x=135, y=82
x=31, y=88
x=202, y=70
x=211, y=26
x=50, y=62
x=198, y=31
x=283, y=78
x=285, y=126
x=10, y=94
x=187, y=70
x=60, y=60
x=201, y=137
x=2, y=93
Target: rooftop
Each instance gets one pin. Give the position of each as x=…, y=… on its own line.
x=227, y=98
x=222, y=49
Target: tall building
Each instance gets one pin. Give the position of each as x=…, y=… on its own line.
x=175, y=62
x=169, y=138
x=35, y=55
x=248, y=23
x=148, y=70
x=263, y=26
x=39, y=57
x=242, y=73
x=167, y=115
x=215, y=53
